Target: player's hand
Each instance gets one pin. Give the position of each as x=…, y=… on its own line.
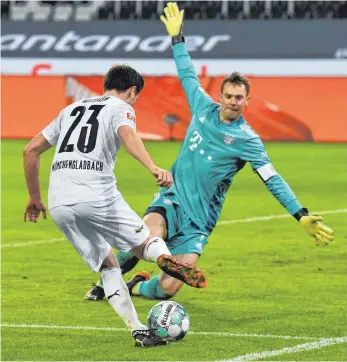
x=33, y=210
x=173, y=19
x=320, y=233
x=163, y=177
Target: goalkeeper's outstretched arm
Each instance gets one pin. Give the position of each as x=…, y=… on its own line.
x=255, y=153
x=196, y=95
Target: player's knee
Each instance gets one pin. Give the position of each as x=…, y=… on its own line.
x=156, y=232
x=156, y=225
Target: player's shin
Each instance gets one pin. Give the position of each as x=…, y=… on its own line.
x=151, y=289
x=154, y=248
x=118, y=296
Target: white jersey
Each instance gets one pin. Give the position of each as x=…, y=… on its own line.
x=86, y=139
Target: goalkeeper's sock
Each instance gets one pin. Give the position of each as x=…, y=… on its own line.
x=126, y=260
x=151, y=289
x=118, y=296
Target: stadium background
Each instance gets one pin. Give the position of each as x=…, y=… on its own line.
x=266, y=280
x=294, y=53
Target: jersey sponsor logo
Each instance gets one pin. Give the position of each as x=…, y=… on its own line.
x=228, y=140
x=131, y=117
x=202, y=119
x=196, y=139
x=167, y=201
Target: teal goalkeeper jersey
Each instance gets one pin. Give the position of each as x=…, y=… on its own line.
x=213, y=152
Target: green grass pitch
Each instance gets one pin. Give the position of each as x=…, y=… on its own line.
x=267, y=280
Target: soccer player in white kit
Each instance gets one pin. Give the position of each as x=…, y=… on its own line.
x=83, y=199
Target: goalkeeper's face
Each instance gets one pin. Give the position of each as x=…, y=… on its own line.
x=233, y=100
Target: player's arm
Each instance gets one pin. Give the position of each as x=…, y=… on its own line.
x=134, y=145
x=31, y=163
x=196, y=95
x=254, y=152
x=124, y=125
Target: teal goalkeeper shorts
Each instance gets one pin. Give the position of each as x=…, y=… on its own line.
x=183, y=236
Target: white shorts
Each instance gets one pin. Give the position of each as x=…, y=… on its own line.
x=93, y=227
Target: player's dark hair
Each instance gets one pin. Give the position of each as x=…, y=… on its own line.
x=238, y=79
x=122, y=77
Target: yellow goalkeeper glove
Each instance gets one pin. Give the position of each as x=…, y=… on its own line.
x=320, y=233
x=173, y=19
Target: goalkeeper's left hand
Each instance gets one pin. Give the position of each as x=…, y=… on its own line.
x=173, y=19
x=320, y=233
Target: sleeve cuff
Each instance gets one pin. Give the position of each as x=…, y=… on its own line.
x=177, y=39
x=48, y=139
x=299, y=214
x=129, y=124
x=179, y=49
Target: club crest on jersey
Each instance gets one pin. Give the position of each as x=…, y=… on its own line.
x=131, y=117
x=228, y=140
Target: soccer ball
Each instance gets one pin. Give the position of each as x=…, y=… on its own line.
x=170, y=319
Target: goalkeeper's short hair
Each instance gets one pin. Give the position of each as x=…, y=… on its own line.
x=238, y=79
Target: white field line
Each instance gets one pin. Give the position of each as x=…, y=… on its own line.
x=324, y=342
x=282, y=216
x=33, y=242
x=225, y=334
x=225, y=222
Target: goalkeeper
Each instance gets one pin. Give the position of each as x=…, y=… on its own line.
x=218, y=143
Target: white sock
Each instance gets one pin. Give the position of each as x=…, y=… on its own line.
x=117, y=293
x=155, y=247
